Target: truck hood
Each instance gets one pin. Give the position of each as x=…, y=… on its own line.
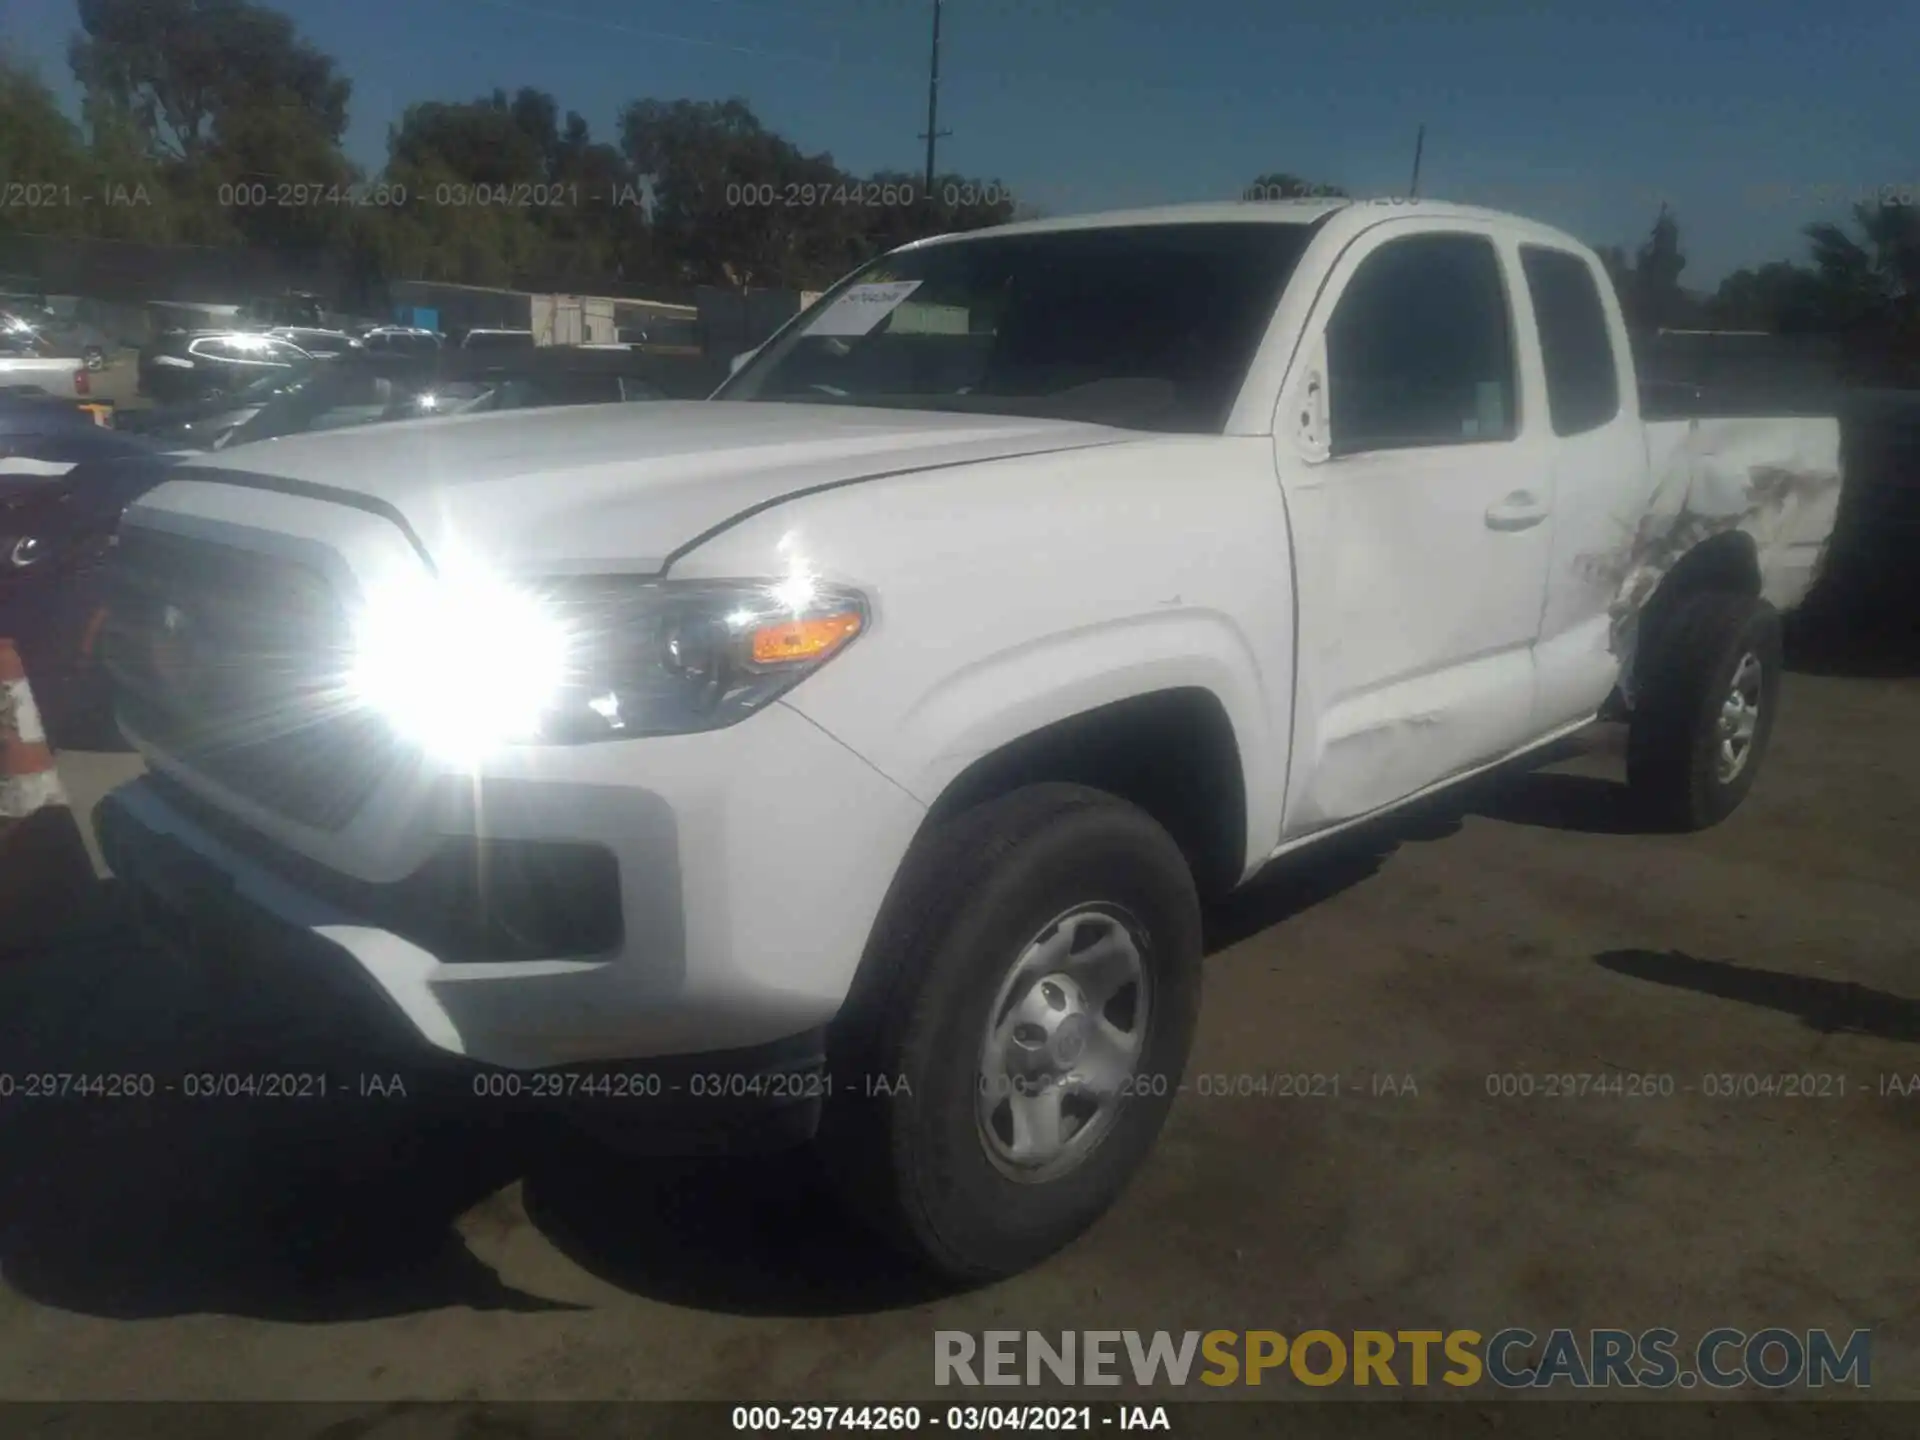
x=619, y=488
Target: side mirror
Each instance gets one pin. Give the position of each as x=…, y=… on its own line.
x=739, y=362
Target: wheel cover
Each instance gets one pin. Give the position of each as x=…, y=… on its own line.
x=1739, y=719
x=1064, y=1036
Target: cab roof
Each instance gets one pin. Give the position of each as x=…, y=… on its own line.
x=1359, y=212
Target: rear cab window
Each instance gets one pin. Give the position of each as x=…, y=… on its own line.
x=1576, y=347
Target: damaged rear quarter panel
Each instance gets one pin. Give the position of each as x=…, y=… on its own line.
x=1775, y=480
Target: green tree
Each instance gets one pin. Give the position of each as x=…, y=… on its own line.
x=219, y=93
x=194, y=73
x=1658, y=300
x=106, y=188
x=501, y=187
x=40, y=150
x=733, y=203
x=1868, y=284
x=1873, y=278
x=1779, y=296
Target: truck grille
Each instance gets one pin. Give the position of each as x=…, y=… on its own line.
x=231, y=662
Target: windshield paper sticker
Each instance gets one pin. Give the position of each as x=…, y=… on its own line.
x=862, y=307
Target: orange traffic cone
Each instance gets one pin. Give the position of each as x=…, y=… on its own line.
x=48, y=890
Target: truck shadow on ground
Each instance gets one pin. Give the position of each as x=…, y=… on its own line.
x=1829, y=1006
x=355, y=1207
x=297, y=1210
x=1587, y=804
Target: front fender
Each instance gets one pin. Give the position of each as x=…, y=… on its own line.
x=1000, y=697
x=1010, y=596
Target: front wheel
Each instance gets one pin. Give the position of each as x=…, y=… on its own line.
x=1706, y=708
x=1021, y=1032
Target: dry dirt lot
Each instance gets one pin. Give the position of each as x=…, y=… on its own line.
x=377, y=1249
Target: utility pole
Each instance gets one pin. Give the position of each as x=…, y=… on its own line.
x=1419, y=144
x=934, y=132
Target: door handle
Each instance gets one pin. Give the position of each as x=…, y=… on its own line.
x=1522, y=510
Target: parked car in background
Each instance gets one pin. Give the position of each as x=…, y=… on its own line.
x=55, y=536
x=558, y=375
x=296, y=307
x=203, y=423
x=369, y=386
x=402, y=340
x=42, y=438
x=194, y=364
x=64, y=481
x=357, y=389
x=28, y=359
x=497, y=340
x=321, y=344
x=57, y=334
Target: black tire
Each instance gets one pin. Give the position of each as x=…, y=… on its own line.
x=900, y=1136
x=1673, y=740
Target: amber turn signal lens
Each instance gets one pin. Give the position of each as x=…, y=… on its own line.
x=803, y=639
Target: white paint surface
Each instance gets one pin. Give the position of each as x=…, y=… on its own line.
x=1371, y=625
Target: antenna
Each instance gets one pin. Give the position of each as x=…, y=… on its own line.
x=1419, y=145
x=934, y=132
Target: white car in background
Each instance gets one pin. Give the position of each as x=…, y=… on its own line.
x=29, y=361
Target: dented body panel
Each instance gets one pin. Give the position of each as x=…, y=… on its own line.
x=1460, y=602
x=1777, y=481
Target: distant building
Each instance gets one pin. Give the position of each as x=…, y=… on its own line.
x=553, y=319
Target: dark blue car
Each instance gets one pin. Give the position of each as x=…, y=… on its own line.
x=64, y=482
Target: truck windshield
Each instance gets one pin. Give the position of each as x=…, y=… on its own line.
x=1148, y=327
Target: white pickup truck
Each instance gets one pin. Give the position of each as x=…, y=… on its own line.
x=29, y=363
x=846, y=758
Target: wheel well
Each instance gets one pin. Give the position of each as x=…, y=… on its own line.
x=1729, y=561
x=1172, y=753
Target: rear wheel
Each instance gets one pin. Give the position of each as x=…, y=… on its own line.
x=1705, y=711
x=1028, y=1015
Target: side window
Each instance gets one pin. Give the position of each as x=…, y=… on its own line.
x=211, y=350
x=1583, y=385
x=1420, y=350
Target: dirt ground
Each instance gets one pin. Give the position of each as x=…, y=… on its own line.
x=377, y=1249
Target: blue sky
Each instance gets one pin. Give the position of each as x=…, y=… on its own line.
x=1752, y=118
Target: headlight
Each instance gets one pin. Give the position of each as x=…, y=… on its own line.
x=464, y=665
x=23, y=551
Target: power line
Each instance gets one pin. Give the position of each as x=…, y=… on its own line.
x=934, y=132
x=1051, y=80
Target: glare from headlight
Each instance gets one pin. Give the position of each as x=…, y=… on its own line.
x=461, y=664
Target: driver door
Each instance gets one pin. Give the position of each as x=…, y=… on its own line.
x=1420, y=513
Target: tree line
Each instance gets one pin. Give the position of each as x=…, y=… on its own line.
x=214, y=122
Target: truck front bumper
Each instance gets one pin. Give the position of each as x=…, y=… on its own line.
x=747, y=869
